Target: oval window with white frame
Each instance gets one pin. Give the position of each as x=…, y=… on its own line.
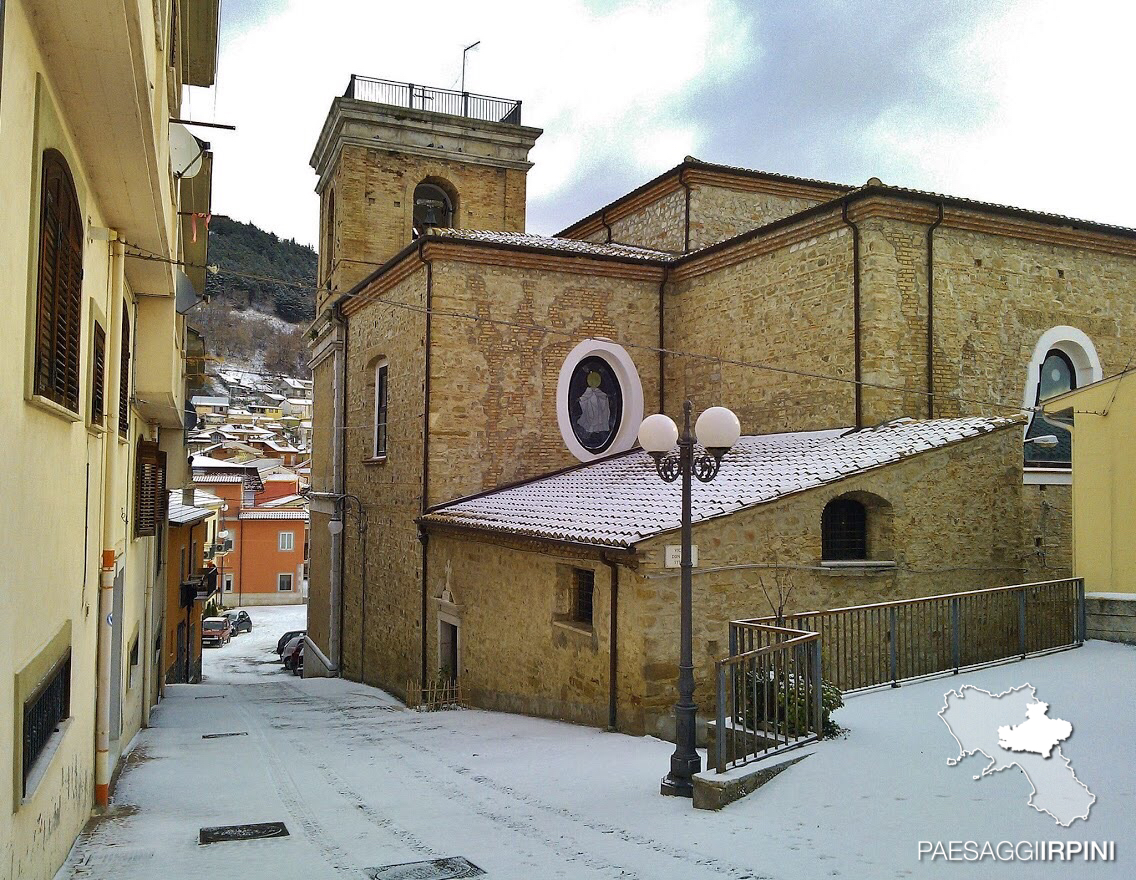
x=599, y=399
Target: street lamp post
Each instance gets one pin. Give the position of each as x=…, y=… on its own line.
x=717, y=430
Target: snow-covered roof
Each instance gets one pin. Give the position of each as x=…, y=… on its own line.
x=621, y=500
x=278, y=513
x=286, y=501
x=300, y=401
x=203, y=400
x=548, y=243
x=207, y=479
x=183, y=514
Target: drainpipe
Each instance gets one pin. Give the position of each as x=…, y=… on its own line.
x=110, y=527
x=931, y=314
x=613, y=645
x=855, y=311
x=422, y=537
x=686, y=221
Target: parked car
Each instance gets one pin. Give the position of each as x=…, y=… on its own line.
x=216, y=631
x=298, y=662
x=292, y=651
x=239, y=621
x=287, y=637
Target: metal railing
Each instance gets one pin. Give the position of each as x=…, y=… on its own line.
x=890, y=642
x=418, y=97
x=769, y=693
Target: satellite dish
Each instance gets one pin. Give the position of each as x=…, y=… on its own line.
x=185, y=151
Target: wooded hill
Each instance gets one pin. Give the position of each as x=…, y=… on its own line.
x=256, y=314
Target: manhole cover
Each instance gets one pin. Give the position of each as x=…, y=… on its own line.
x=219, y=735
x=221, y=833
x=437, y=869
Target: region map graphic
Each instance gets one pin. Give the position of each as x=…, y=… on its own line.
x=1013, y=729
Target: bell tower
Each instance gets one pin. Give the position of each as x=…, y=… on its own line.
x=396, y=158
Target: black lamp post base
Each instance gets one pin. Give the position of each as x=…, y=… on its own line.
x=676, y=787
x=678, y=782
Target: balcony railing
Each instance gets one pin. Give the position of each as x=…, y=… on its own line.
x=418, y=97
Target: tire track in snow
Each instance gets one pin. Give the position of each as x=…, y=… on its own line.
x=289, y=793
x=575, y=851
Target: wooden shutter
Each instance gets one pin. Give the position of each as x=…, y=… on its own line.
x=59, y=292
x=149, y=488
x=98, y=376
x=124, y=375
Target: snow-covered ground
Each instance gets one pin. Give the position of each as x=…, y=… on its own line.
x=362, y=783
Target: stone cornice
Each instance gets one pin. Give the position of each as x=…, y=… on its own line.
x=420, y=133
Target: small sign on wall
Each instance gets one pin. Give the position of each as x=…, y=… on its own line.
x=673, y=555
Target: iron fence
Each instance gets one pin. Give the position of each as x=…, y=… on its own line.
x=769, y=693
x=418, y=97
x=890, y=642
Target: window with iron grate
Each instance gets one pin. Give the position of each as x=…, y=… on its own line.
x=582, y=592
x=43, y=712
x=844, y=530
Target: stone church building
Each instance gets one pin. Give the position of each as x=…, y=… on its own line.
x=480, y=508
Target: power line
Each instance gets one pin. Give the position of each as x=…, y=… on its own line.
x=538, y=328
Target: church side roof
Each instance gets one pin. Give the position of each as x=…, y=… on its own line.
x=620, y=501
x=549, y=243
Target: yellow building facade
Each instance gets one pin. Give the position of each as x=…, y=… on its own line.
x=1104, y=473
x=91, y=391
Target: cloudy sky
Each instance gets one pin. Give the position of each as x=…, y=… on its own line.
x=1023, y=102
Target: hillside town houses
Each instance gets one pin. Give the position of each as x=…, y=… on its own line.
x=458, y=490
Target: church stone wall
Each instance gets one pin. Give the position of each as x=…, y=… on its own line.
x=659, y=225
x=995, y=295
x=517, y=650
x=989, y=317
x=384, y=602
x=718, y=213
x=374, y=204
x=493, y=406
x=518, y=654
x=790, y=308
x=940, y=538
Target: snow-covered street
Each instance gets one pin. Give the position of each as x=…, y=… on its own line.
x=362, y=783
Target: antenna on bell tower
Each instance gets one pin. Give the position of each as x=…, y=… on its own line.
x=465, y=52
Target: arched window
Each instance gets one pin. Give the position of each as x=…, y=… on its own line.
x=59, y=298
x=1064, y=359
x=432, y=207
x=329, y=236
x=844, y=530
